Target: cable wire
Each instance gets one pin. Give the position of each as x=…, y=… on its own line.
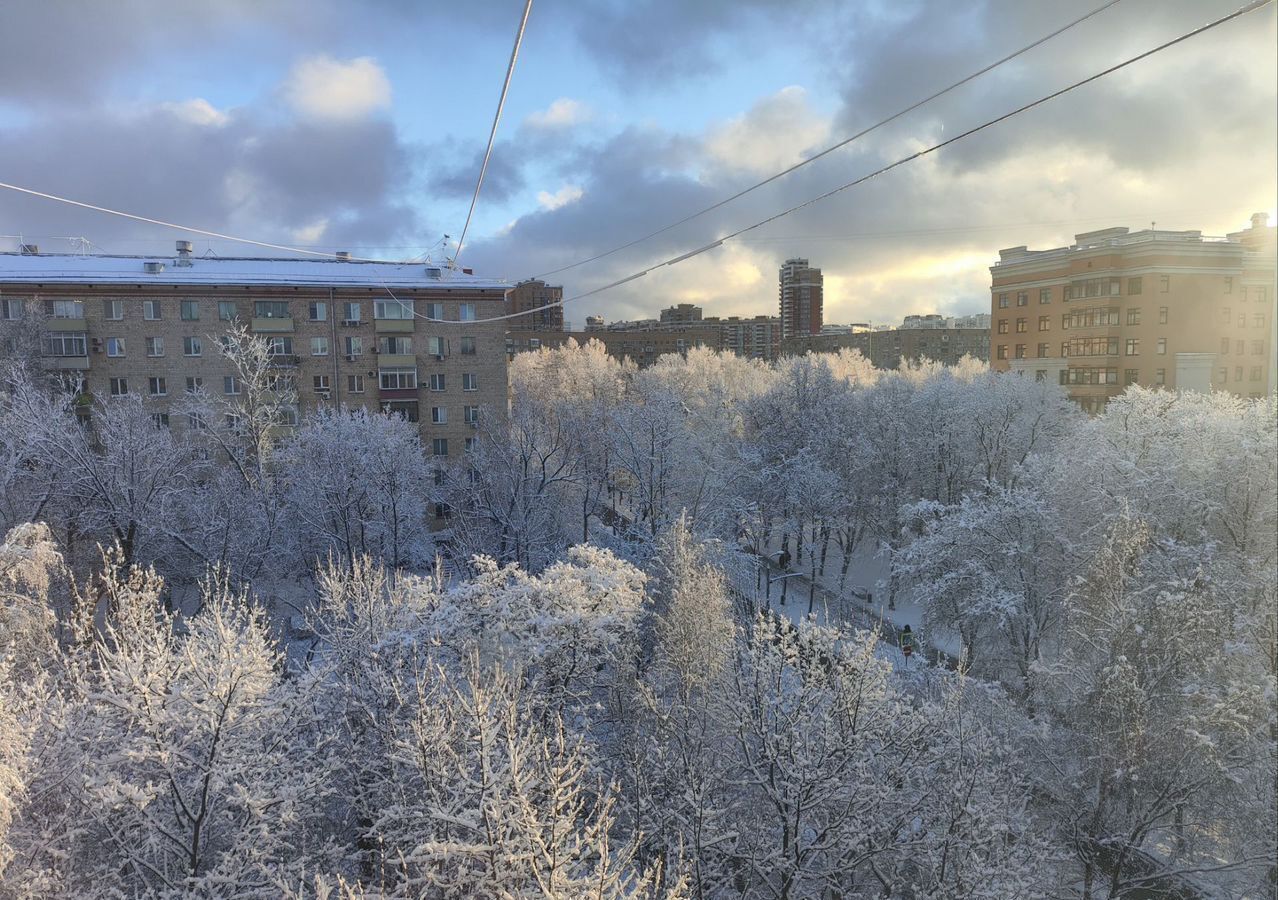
x=1249, y=8
x=843, y=143
x=492, y=135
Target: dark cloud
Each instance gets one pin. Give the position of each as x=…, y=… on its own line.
x=453, y=171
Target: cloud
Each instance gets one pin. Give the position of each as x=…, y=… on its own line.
x=454, y=170
x=324, y=88
x=569, y=193
x=772, y=135
x=197, y=111
x=563, y=113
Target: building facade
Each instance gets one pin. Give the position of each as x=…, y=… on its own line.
x=643, y=346
x=1157, y=308
x=757, y=337
x=542, y=304
x=802, y=299
x=345, y=333
x=681, y=314
x=887, y=348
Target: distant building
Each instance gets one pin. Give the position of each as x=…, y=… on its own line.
x=1158, y=308
x=931, y=337
x=802, y=300
x=542, y=302
x=756, y=338
x=641, y=345
x=595, y=323
x=682, y=314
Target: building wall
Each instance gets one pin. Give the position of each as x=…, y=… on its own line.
x=533, y=297
x=802, y=298
x=887, y=349
x=487, y=363
x=682, y=314
x=643, y=347
x=1118, y=309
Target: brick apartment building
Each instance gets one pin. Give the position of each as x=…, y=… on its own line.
x=348, y=333
x=1156, y=308
x=801, y=288
x=641, y=345
x=681, y=314
x=534, y=297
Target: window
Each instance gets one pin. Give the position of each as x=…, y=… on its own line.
x=405, y=409
x=1242, y=319
x=466, y=312
x=270, y=309
x=389, y=344
x=471, y=415
x=226, y=310
x=190, y=310
x=1261, y=295
x=1255, y=373
x=1229, y=284
x=439, y=415
x=319, y=346
x=355, y=384
x=1089, y=376
x=354, y=347
x=1161, y=347
x=1020, y=351
x=1258, y=320
x=1022, y=298
x=1257, y=348
x=1133, y=285
x=1238, y=373
x=470, y=381
x=155, y=346
x=192, y=346
x=63, y=343
x=321, y=384
x=1090, y=346
x=288, y=416
x=1133, y=315
x=471, y=444
x=435, y=347
x=397, y=379
x=438, y=476
x=1164, y=284
x=1021, y=326
x=317, y=311
x=435, y=311
x=1133, y=347
x=1002, y=326
x=1226, y=315
x=196, y=421
x=394, y=308
x=194, y=384
x=467, y=346
x=11, y=308
x=1162, y=315
x=119, y=387
x=1002, y=301
x=1222, y=375
x=115, y=346
x=1240, y=347
x=64, y=309
x=350, y=313
x=437, y=381
x=1040, y=374
x=1043, y=351
x=1002, y=351
x=151, y=310
x=279, y=345
x=1045, y=295
x=157, y=387
x=439, y=447
x=113, y=309
x=1044, y=323
x=230, y=385
x=161, y=420
x=1160, y=376
x=1130, y=376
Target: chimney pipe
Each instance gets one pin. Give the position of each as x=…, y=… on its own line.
x=184, y=253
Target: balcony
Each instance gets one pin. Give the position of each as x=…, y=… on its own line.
x=59, y=324
x=394, y=326
x=284, y=360
x=396, y=360
x=65, y=363
x=274, y=325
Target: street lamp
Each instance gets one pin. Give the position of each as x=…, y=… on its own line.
x=783, y=586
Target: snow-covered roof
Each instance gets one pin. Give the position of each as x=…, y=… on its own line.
x=69, y=268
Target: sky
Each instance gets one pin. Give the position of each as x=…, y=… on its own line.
x=360, y=126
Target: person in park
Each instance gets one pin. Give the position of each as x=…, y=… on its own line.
x=907, y=641
x=783, y=560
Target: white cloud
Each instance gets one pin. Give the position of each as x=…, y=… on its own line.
x=569, y=193
x=197, y=111
x=563, y=113
x=310, y=234
x=321, y=87
x=772, y=135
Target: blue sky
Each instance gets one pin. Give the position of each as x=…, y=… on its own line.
x=358, y=126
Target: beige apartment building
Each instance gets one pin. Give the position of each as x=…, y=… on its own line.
x=1168, y=309
x=940, y=339
x=345, y=332
x=541, y=304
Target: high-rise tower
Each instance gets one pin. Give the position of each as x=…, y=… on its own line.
x=802, y=300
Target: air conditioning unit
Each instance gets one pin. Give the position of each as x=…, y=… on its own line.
x=323, y=393
x=96, y=343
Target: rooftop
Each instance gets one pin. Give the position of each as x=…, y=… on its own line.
x=73, y=268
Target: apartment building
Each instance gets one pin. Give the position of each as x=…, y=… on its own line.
x=757, y=337
x=939, y=339
x=346, y=333
x=681, y=314
x=802, y=297
x=643, y=346
x=540, y=302
x=1157, y=308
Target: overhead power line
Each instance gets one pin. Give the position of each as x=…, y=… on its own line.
x=843, y=143
x=492, y=135
x=1249, y=8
